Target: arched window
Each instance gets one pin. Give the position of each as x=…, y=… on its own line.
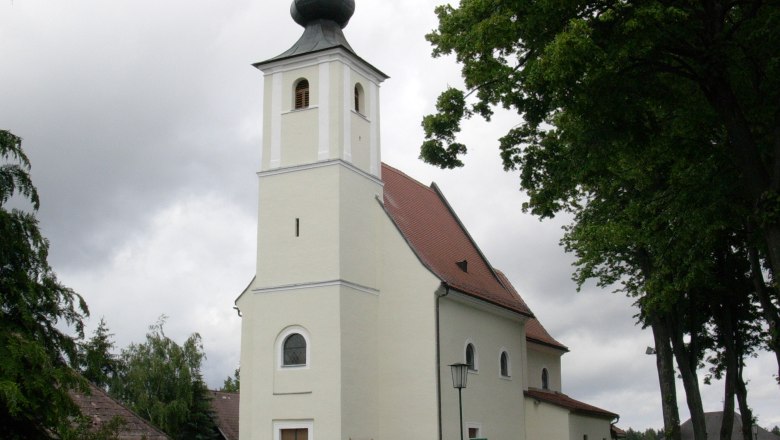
x=359, y=99
x=504, y=362
x=302, y=94
x=471, y=357
x=545, y=379
x=294, y=350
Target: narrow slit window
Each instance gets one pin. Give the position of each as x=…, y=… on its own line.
x=302, y=94
x=297, y=227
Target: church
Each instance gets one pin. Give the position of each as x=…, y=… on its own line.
x=368, y=287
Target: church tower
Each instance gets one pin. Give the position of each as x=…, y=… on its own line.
x=308, y=313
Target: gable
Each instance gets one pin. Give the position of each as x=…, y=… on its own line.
x=441, y=242
x=101, y=409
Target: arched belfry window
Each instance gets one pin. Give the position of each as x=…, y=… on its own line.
x=302, y=94
x=545, y=379
x=294, y=350
x=360, y=99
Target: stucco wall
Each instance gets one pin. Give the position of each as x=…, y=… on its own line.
x=594, y=428
x=545, y=421
x=540, y=357
x=280, y=393
x=406, y=334
x=493, y=402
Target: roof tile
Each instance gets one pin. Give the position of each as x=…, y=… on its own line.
x=440, y=241
x=564, y=401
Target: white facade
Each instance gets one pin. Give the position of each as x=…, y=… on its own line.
x=349, y=325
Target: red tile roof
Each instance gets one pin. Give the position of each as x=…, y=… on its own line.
x=225, y=406
x=534, y=330
x=564, y=401
x=101, y=408
x=440, y=241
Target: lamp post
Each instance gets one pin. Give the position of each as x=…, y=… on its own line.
x=460, y=375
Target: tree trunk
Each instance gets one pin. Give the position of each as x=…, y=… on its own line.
x=686, y=363
x=744, y=409
x=768, y=309
x=665, y=366
x=726, y=330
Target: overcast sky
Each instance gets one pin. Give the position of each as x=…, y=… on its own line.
x=142, y=120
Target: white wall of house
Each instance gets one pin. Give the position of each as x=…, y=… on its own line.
x=539, y=358
x=545, y=421
x=594, y=428
x=493, y=402
x=407, y=339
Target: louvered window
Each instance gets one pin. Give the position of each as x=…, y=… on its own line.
x=359, y=99
x=302, y=94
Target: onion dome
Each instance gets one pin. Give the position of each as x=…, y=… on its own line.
x=308, y=11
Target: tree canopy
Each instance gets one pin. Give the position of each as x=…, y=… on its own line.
x=35, y=311
x=161, y=381
x=655, y=124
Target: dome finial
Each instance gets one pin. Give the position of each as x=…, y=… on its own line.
x=306, y=11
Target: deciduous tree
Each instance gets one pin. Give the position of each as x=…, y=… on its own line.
x=35, y=311
x=161, y=381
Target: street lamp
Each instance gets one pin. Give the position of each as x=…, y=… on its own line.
x=755, y=432
x=460, y=375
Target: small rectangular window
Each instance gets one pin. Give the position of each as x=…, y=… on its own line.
x=297, y=227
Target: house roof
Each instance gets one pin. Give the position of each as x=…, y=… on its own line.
x=441, y=242
x=564, y=401
x=713, y=421
x=102, y=408
x=225, y=407
x=534, y=330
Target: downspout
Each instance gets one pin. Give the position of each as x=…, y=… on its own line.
x=438, y=355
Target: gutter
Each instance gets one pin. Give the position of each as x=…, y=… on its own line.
x=438, y=355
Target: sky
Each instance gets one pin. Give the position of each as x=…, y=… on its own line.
x=142, y=120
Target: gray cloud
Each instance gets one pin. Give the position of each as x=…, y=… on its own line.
x=142, y=121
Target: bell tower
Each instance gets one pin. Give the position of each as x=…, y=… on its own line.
x=308, y=315
x=321, y=99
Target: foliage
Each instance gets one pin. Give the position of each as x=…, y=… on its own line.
x=160, y=380
x=34, y=311
x=96, y=363
x=232, y=384
x=648, y=434
x=776, y=430
x=655, y=124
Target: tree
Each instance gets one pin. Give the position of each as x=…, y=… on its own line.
x=97, y=364
x=35, y=310
x=232, y=384
x=160, y=380
x=655, y=124
x=596, y=72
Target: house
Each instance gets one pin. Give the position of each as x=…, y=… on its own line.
x=225, y=409
x=102, y=408
x=368, y=287
x=713, y=422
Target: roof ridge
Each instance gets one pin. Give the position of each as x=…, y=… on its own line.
x=439, y=193
x=93, y=388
